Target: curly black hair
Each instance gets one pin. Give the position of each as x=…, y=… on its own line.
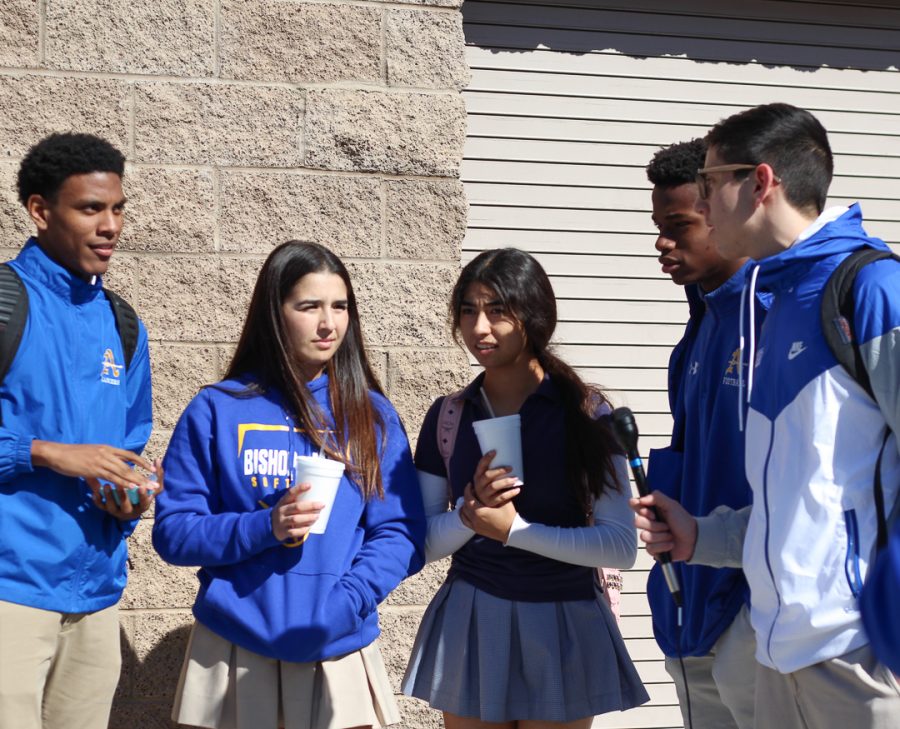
x=677, y=164
x=57, y=157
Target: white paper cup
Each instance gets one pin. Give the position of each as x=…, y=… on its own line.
x=503, y=435
x=324, y=475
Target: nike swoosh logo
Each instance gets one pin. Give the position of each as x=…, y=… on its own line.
x=794, y=353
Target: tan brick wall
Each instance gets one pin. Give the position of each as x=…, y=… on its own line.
x=245, y=123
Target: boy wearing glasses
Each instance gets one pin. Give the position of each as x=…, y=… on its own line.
x=710, y=655
x=813, y=435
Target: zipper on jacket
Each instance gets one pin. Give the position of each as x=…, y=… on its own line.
x=851, y=562
x=768, y=560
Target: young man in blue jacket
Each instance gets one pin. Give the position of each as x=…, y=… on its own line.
x=710, y=654
x=74, y=417
x=813, y=434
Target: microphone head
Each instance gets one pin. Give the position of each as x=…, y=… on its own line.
x=625, y=428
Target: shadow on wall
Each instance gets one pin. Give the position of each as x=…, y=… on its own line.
x=802, y=35
x=147, y=685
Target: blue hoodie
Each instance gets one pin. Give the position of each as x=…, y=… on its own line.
x=229, y=461
x=67, y=384
x=704, y=466
x=813, y=438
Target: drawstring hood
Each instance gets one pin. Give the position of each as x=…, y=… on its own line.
x=742, y=402
x=843, y=234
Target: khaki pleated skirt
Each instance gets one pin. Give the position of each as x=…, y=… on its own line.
x=224, y=686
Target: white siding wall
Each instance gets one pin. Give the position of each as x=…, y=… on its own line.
x=568, y=102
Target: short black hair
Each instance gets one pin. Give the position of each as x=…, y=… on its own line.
x=677, y=164
x=789, y=139
x=57, y=157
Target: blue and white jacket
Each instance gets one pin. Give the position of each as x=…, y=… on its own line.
x=703, y=468
x=813, y=438
x=229, y=461
x=67, y=384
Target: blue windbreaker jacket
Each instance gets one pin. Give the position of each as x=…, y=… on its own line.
x=68, y=384
x=704, y=466
x=229, y=461
x=813, y=439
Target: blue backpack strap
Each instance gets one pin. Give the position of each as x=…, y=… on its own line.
x=126, y=323
x=838, y=311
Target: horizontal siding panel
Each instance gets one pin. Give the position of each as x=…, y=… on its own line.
x=543, y=241
x=624, y=289
x=616, y=355
x=646, y=717
x=585, y=198
x=611, y=199
x=616, y=378
x=682, y=89
x=599, y=153
x=607, y=265
x=512, y=218
x=680, y=111
x=655, y=134
x=649, y=402
x=652, y=672
x=625, y=311
x=616, y=333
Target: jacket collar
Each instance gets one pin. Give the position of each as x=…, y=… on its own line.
x=547, y=390
x=35, y=262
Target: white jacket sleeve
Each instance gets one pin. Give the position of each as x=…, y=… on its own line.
x=446, y=532
x=610, y=542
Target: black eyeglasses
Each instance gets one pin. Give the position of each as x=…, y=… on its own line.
x=703, y=182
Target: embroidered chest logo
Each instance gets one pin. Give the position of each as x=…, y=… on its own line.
x=694, y=368
x=797, y=348
x=110, y=370
x=731, y=372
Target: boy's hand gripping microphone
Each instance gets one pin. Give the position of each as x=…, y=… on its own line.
x=626, y=432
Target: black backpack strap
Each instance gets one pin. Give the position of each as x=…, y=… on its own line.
x=126, y=323
x=881, y=535
x=13, y=314
x=838, y=308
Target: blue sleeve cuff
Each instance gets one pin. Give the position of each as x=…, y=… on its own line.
x=23, y=454
x=257, y=531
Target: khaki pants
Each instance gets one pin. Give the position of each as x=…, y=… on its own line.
x=57, y=670
x=852, y=691
x=720, y=683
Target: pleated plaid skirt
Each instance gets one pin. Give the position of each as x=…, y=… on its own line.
x=484, y=657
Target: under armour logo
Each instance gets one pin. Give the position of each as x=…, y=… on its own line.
x=694, y=367
x=797, y=348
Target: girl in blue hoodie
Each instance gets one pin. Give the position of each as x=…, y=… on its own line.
x=286, y=619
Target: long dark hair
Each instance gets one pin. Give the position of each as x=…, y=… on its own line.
x=264, y=352
x=524, y=288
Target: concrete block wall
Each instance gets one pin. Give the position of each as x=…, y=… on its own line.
x=246, y=123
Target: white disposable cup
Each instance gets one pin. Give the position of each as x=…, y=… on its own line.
x=503, y=435
x=324, y=475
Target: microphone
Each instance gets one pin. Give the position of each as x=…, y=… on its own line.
x=626, y=431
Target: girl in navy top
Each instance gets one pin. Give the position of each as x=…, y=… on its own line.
x=517, y=632
x=286, y=617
